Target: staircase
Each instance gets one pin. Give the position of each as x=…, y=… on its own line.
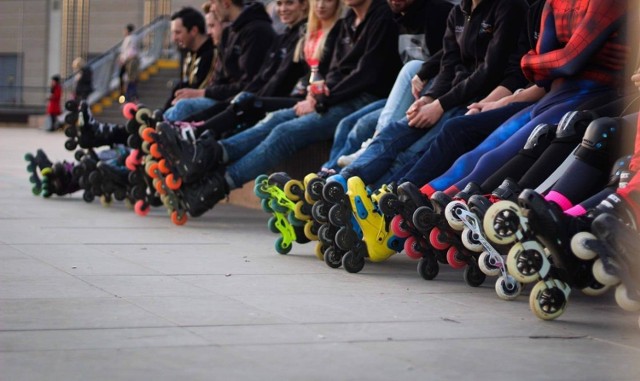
x=154, y=86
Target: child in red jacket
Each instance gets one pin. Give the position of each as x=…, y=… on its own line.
x=53, y=104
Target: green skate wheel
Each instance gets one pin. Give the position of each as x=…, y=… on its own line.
x=282, y=247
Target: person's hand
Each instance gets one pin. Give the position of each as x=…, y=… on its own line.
x=415, y=106
x=427, y=116
x=305, y=107
x=417, y=85
x=187, y=93
x=478, y=107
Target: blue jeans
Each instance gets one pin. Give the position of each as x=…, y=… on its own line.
x=280, y=135
x=358, y=124
x=400, y=98
x=385, y=153
x=458, y=135
x=187, y=107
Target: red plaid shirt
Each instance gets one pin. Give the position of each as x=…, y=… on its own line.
x=581, y=39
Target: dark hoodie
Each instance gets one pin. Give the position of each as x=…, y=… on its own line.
x=243, y=48
x=476, y=51
x=279, y=73
x=365, y=59
x=427, y=21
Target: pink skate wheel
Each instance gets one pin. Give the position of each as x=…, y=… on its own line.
x=129, y=110
x=452, y=258
x=436, y=241
x=411, y=248
x=398, y=228
x=141, y=209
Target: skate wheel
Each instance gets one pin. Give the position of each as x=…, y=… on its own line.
x=428, y=267
x=338, y=215
x=36, y=191
x=470, y=240
x=508, y=290
x=414, y=248
x=452, y=218
x=272, y=224
x=105, y=201
x=157, y=185
x=147, y=135
x=595, y=289
x=352, y=262
x=70, y=144
x=346, y=238
x=154, y=151
x=453, y=260
x=178, y=219
x=436, y=240
x=141, y=208
x=302, y=211
x=261, y=186
x=152, y=170
x=546, y=301
x=332, y=258
x=333, y=192
x=387, y=204
x=320, y=250
x=578, y=247
x=501, y=222
x=294, y=189
x=143, y=116
x=310, y=230
x=282, y=247
x=172, y=182
x=487, y=264
x=129, y=110
x=326, y=234
x=473, y=276
x=602, y=276
x=624, y=301
x=423, y=219
x=313, y=190
x=129, y=164
x=264, y=204
x=162, y=166
x=398, y=227
x=145, y=147
x=525, y=261
x=319, y=212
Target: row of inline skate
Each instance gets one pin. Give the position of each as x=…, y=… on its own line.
x=512, y=234
x=112, y=162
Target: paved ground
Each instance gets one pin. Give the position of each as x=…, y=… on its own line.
x=93, y=293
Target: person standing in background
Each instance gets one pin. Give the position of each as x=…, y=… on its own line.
x=129, y=65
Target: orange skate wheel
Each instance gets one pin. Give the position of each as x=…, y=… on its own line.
x=172, y=182
x=152, y=169
x=146, y=134
x=177, y=219
x=153, y=151
x=158, y=186
x=162, y=165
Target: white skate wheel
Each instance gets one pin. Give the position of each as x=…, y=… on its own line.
x=484, y=262
x=623, y=300
x=578, y=246
x=452, y=218
x=504, y=291
x=602, y=276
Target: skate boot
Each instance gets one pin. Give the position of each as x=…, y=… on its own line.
x=87, y=133
x=277, y=192
x=59, y=179
x=377, y=243
x=203, y=195
x=542, y=252
x=36, y=164
x=187, y=159
x=442, y=227
x=616, y=244
x=399, y=206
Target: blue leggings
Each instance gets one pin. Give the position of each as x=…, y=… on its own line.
x=505, y=142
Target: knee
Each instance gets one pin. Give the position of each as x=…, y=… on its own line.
x=599, y=136
x=543, y=132
x=573, y=124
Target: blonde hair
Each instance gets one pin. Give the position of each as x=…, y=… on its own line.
x=77, y=63
x=313, y=25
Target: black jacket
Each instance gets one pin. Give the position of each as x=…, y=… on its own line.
x=476, y=51
x=244, y=46
x=279, y=74
x=365, y=60
x=425, y=20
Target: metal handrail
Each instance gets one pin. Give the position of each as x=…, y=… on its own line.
x=154, y=41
